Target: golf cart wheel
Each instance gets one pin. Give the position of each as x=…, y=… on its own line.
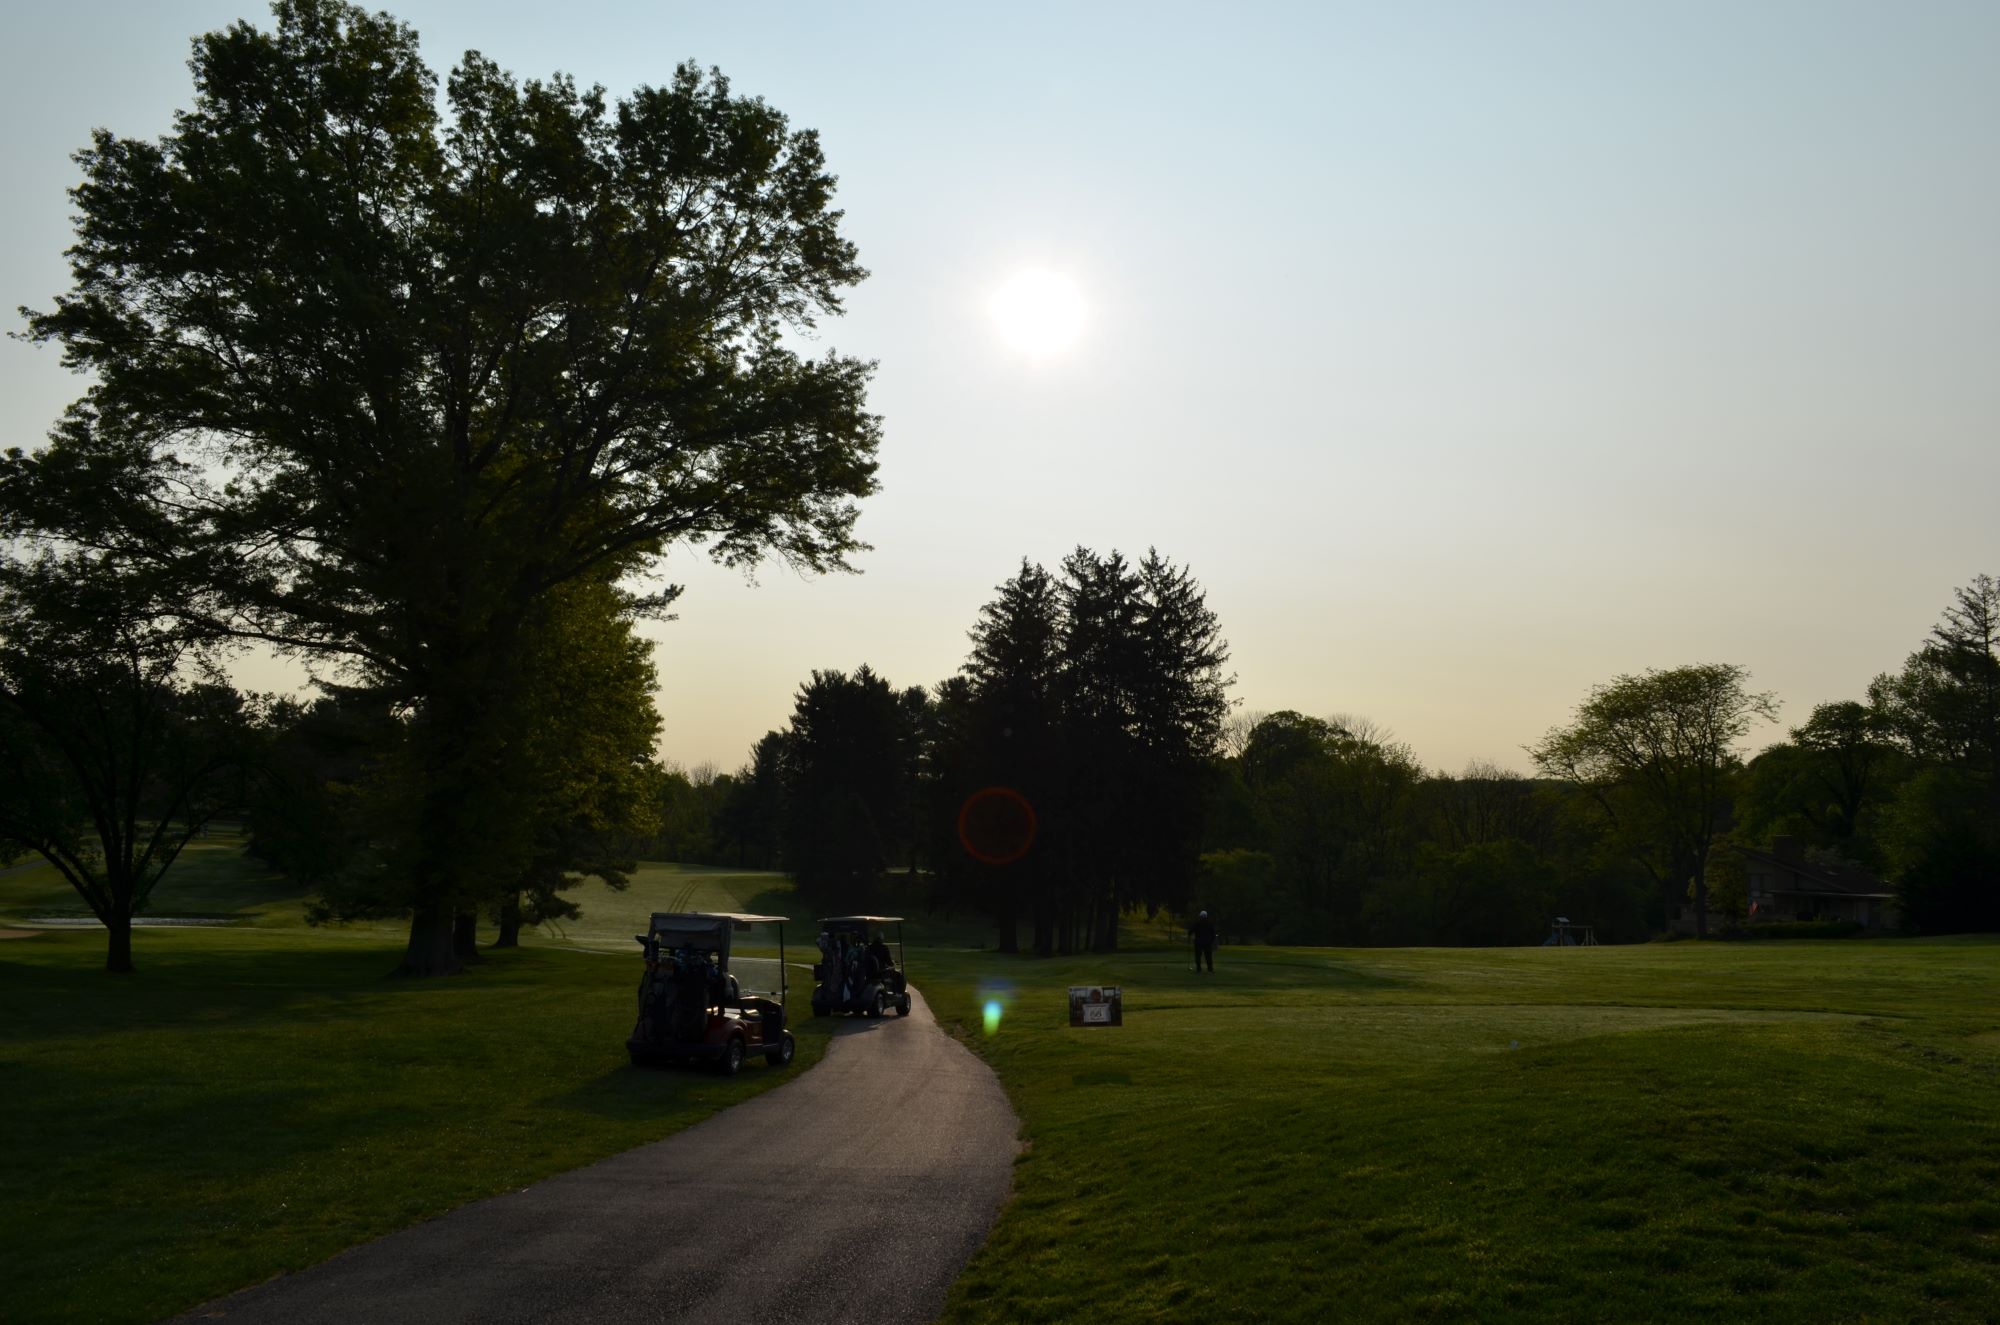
x=903, y=1006
x=877, y=1005
x=819, y=1009
x=731, y=1061
x=781, y=1056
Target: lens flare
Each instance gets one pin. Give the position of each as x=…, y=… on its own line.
x=996, y=825
x=992, y=1016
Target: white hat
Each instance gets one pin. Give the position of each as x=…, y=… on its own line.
x=1202, y=916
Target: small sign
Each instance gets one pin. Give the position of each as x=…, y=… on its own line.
x=1096, y=1005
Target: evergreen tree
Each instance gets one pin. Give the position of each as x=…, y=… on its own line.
x=846, y=785
x=1011, y=736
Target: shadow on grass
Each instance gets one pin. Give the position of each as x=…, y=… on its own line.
x=165, y=1125
x=64, y=992
x=785, y=902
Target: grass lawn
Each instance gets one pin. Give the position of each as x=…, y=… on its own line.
x=260, y=1096
x=211, y=879
x=1785, y=1131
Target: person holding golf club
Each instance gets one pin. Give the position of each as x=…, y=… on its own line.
x=1203, y=933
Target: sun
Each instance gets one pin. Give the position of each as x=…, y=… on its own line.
x=1037, y=311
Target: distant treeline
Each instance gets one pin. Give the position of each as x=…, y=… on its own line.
x=1095, y=697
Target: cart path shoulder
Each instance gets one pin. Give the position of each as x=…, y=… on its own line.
x=856, y=1192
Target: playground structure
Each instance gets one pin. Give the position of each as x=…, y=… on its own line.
x=1565, y=933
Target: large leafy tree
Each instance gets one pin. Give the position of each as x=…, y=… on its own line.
x=406, y=371
x=119, y=740
x=1828, y=785
x=1333, y=801
x=1656, y=753
x=1943, y=711
x=584, y=780
x=1944, y=706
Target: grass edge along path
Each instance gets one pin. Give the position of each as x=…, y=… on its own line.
x=1787, y=1132
x=256, y=1100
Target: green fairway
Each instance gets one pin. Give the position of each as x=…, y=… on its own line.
x=260, y=1096
x=1793, y=1131
x=211, y=878
x=1802, y=1132
x=611, y=918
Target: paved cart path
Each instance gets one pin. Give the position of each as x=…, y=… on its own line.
x=856, y=1192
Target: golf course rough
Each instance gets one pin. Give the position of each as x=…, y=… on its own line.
x=1802, y=1132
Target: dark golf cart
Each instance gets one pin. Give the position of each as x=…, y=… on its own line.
x=856, y=971
x=692, y=1005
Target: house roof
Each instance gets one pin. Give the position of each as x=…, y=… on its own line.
x=1811, y=876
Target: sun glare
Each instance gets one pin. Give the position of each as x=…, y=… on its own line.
x=1039, y=312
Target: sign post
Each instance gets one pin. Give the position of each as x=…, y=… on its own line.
x=1096, y=1005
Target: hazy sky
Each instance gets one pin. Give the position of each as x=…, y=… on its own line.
x=1470, y=354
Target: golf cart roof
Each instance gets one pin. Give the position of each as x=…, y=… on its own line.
x=741, y=918
x=705, y=930
x=672, y=919
x=861, y=920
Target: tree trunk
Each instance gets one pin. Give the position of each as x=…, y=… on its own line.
x=1010, y=941
x=429, y=952
x=1106, y=937
x=118, y=959
x=465, y=936
x=510, y=923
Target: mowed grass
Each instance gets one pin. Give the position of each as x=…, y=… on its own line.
x=610, y=918
x=259, y=1097
x=1798, y=1131
x=1789, y=1132
x=211, y=879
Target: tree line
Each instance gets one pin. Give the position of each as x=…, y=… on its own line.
x=419, y=384
x=1094, y=699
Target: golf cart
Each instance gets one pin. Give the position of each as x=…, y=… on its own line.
x=856, y=972
x=691, y=1003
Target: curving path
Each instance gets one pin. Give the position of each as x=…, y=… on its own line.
x=856, y=1192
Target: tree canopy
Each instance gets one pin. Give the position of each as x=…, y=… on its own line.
x=390, y=375
x=119, y=739
x=1656, y=752
x=1942, y=710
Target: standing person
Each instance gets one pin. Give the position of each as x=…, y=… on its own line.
x=1203, y=930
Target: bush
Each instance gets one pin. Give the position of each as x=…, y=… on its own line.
x=1802, y=929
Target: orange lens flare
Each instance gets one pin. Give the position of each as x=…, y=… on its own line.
x=996, y=825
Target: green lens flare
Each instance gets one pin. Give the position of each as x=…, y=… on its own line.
x=992, y=1015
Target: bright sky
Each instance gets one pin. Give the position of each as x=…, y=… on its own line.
x=1470, y=354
